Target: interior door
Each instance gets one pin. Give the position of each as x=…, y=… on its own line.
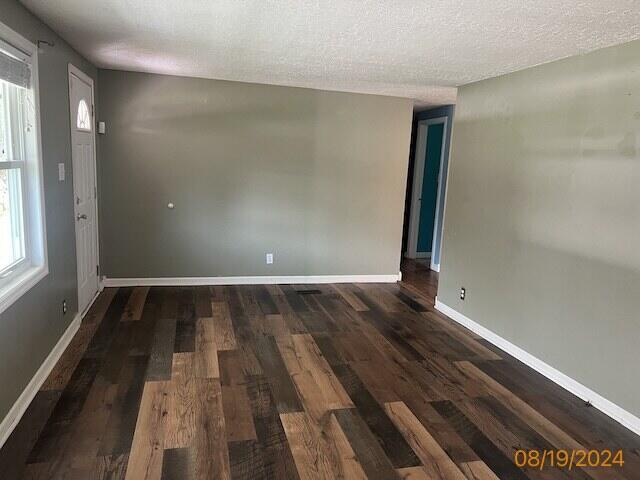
x=429, y=191
x=84, y=185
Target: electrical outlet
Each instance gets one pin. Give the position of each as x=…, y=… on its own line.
x=64, y=307
x=463, y=293
x=269, y=258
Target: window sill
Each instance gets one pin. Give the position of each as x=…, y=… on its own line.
x=21, y=284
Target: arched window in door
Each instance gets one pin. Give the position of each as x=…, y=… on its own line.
x=84, y=118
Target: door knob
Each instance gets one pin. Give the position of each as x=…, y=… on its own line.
x=81, y=216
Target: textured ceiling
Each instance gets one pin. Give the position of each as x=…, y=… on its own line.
x=408, y=48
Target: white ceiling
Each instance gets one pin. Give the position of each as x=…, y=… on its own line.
x=408, y=48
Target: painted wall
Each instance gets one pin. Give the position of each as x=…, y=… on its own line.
x=32, y=326
x=542, y=215
x=444, y=111
x=315, y=177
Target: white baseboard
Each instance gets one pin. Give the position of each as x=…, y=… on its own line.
x=12, y=418
x=435, y=267
x=256, y=280
x=614, y=411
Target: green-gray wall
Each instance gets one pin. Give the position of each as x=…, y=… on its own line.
x=542, y=219
x=315, y=177
x=31, y=327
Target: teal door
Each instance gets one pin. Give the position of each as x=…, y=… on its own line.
x=430, y=187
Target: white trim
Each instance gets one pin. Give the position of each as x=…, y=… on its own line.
x=435, y=267
x=73, y=70
x=614, y=411
x=22, y=284
x=418, y=172
x=82, y=76
x=436, y=224
x=12, y=418
x=35, y=78
x=35, y=222
x=17, y=41
x=418, y=177
x=255, y=280
x=93, y=300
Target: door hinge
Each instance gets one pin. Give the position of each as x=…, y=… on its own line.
x=95, y=192
x=92, y=114
x=98, y=270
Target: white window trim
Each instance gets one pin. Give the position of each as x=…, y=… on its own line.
x=35, y=222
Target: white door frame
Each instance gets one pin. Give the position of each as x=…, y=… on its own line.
x=416, y=195
x=437, y=227
x=73, y=70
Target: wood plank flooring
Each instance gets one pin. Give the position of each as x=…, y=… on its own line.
x=296, y=381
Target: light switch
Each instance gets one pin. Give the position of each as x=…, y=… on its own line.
x=102, y=128
x=61, y=172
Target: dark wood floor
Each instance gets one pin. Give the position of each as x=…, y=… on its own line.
x=296, y=381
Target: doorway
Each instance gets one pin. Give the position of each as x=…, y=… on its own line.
x=85, y=192
x=424, y=221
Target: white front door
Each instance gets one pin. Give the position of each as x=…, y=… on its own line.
x=84, y=185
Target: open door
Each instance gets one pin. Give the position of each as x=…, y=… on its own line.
x=424, y=226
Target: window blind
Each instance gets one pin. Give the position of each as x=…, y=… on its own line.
x=14, y=71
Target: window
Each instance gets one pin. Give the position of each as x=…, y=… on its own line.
x=84, y=119
x=22, y=240
x=12, y=234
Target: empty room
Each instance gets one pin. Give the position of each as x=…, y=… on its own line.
x=319, y=240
